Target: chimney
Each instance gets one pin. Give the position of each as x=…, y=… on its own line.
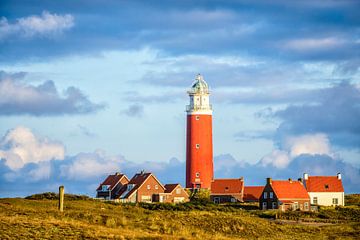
x=306, y=176
x=339, y=176
x=268, y=181
x=117, y=173
x=300, y=180
x=290, y=180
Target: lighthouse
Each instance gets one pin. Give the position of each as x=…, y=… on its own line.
x=199, y=148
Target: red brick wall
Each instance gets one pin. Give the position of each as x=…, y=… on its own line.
x=143, y=191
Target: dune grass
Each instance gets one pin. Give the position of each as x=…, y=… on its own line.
x=91, y=219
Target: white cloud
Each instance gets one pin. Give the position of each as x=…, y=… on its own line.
x=18, y=97
x=20, y=146
x=308, y=144
x=294, y=146
x=313, y=43
x=277, y=158
x=88, y=165
x=46, y=25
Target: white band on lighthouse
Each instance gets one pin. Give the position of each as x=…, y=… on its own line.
x=199, y=98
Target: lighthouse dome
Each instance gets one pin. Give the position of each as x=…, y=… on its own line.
x=199, y=86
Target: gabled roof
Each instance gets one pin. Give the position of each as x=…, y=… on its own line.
x=170, y=187
x=285, y=189
x=227, y=186
x=252, y=193
x=137, y=181
x=112, y=181
x=324, y=184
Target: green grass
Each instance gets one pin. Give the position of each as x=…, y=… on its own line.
x=38, y=217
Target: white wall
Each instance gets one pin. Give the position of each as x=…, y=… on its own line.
x=325, y=198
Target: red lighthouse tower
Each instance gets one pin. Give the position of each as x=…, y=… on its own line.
x=199, y=149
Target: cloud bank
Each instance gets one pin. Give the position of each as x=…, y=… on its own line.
x=19, y=98
x=45, y=25
x=43, y=166
x=20, y=146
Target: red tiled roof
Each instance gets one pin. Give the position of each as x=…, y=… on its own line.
x=111, y=180
x=252, y=193
x=170, y=187
x=285, y=189
x=324, y=184
x=227, y=186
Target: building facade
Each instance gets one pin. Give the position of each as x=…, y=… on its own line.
x=284, y=195
x=142, y=187
x=110, y=187
x=325, y=190
x=199, y=148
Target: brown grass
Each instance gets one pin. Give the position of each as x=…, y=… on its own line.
x=24, y=219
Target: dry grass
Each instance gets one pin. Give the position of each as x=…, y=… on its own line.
x=24, y=219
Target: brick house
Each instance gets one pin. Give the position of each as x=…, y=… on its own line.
x=252, y=193
x=325, y=190
x=143, y=187
x=227, y=190
x=173, y=193
x=284, y=195
x=110, y=187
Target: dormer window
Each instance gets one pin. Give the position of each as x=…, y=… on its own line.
x=197, y=174
x=226, y=189
x=326, y=186
x=197, y=146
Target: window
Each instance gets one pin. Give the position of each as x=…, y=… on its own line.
x=104, y=187
x=315, y=200
x=233, y=200
x=264, y=205
x=197, y=117
x=178, y=191
x=197, y=174
x=306, y=206
x=265, y=195
x=156, y=187
x=271, y=195
x=296, y=206
x=197, y=146
x=274, y=205
x=148, y=187
x=301, y=206
x=335, y=201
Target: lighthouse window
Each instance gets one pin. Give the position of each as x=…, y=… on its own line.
x=197, y=146
x=197, y=174
x=197, y=117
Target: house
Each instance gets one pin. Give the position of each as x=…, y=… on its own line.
x=174, y=193
x=227, y=190
x=252, y=193
x=284, y=195
x=325, y=190
x=109, y=188
x=142, y=187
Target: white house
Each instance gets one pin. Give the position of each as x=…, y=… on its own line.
x=325, y=190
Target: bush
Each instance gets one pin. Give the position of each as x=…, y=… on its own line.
x=55, y=196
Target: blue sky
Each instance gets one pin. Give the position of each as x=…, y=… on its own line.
x=91, y=87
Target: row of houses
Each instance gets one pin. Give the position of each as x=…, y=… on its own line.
x=288, y=194
x=142, y=187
